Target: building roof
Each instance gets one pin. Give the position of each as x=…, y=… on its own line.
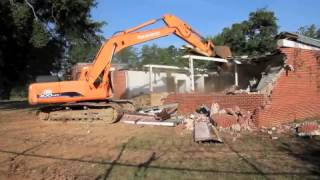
x=299, y=38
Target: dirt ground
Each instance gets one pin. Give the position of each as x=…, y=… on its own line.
x=33, y=149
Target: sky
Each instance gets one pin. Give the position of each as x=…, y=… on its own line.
x=208, y=17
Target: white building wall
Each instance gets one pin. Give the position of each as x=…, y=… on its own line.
x=199, y=83
x=138, y=82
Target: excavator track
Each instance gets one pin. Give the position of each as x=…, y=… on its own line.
x=107, y=112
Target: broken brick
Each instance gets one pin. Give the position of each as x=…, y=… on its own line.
x=224, y=120
x=308, y=128
x=230, y=111
x=237, y=109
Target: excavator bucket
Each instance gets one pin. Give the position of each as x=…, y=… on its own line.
x=223, y=51
x=218, y=51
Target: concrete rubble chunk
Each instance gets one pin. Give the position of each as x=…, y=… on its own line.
x=222, y=111
x=236, y=127
x=188, y=123
x=214, y=108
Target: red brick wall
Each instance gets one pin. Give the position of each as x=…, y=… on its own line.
x=189, y=102
x=119, y=84
x=297, y=94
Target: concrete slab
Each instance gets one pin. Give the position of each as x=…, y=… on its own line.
x=203, y=132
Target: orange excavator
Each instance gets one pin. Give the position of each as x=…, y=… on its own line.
x=89, y=96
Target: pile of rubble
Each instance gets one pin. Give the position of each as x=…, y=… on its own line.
x=189, y=122
x=309, y=129
x=234, y=118
x=224, y=119
x=163, y=115
x=202, y=127
x=205, y=122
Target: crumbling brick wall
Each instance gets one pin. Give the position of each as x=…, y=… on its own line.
x=188, y=102
x=296, y=94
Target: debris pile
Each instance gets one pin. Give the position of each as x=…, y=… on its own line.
x=234, y=118
x=275, y=132
x=189, y=122
x=308, y=129
x=160, y=113
x=156, y=115
x=205, y=122
x=202, y=127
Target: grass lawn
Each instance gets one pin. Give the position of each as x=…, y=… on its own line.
x=32, y=149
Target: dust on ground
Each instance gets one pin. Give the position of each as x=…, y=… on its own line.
x=33, y=149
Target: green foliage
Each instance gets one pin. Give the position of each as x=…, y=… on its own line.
x=82, y=51
x=21, y=15
x=310, y=31
x=153, y=54
x=162, y=56
x=128, y=56
x=150, y=54
x=38, y=36
x=253, y=36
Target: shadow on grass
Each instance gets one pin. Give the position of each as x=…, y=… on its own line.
x=14, y=105
x=114, y=162
x=147, y=165
x=305, y=149
x=143, y=167
x=252, y=165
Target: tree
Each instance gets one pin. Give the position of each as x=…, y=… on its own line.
x=310, y=31
x=234, y=37
x=149, y=55
x=164, y=56
x=262, y=29
x=82, y=51
x=36, y=35
x=253, y=36
x=128, y=56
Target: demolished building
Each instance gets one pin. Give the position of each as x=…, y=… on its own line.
x=277, y=88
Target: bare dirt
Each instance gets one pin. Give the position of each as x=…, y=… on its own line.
x=33, y=149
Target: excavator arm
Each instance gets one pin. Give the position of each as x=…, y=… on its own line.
x=131, y=37
x=93, y=83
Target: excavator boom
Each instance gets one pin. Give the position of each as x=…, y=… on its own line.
x=131, y=37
